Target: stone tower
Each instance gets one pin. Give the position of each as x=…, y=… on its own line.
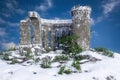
x=25, y=38
x=81, y=25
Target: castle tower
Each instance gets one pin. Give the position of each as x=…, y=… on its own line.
x=25, y=32
x=36, y=23
x=81, y=25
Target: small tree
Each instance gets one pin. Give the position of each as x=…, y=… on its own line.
x=70, y=44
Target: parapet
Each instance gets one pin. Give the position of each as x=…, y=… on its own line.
x=81, y=11
x=82, y=8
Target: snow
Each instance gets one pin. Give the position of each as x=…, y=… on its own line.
x=92, y=54
x=52, y=21
x=98, y=70
x=33, y=14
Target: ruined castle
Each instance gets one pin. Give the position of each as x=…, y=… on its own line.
x=47, y=32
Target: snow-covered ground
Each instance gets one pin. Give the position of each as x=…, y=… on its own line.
x=105, y=68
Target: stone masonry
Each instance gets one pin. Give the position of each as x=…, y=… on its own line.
x=47, y=32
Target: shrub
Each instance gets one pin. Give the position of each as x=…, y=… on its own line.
x=76, y=64
x=100, y=49
x=48, y=49
x=36, y=60
x=61, y=58
x=109, y=54
x=11, y=49
x=65, y=70
x=14, y=61
x=6, y=56
x=28, y=56
x=70, y=44
x=61, y=71
x=75, y=49
x=78, y=57
x=46, y=62
x=105, y=51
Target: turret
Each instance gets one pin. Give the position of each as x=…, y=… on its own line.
x=81, y=25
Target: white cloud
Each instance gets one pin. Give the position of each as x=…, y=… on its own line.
x=49, y=3
x=20, y=11
x=8, y=45
x=110, y=6
x=92, y=21
x=8, y=23
x=2, y=21
x=44, y=6
x=13, y=7
x=2, y=32
x=12, y=24
x=11, y=4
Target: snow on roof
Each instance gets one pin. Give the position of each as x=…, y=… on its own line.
x=22, y=21
x=33, y=14
x=53, y=21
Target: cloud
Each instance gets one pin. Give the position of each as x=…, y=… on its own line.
x=20, y=11
x=12, y=8
x=2, y=32
x=12, y=24
x=8, y=45
x=8, y=23
x=44, y=6
x=92, y=21
x=110, y=6
x=11, y=4
x=2, y=21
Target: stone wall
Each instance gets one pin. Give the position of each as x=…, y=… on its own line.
x=44, y=30
x=25, y=32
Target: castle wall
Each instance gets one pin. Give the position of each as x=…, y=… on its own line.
x=45, y=30
x=25, y=32
x=35, y=20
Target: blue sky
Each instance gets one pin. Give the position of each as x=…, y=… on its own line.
x=105, y=19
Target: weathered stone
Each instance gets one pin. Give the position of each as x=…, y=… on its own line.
x=25, y=32
x=45, y=30
x=81, y=25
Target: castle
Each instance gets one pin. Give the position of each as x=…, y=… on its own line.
x=47, y=32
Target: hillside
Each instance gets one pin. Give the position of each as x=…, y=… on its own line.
x=94, y=66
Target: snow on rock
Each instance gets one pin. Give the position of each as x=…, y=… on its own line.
x=92, y=54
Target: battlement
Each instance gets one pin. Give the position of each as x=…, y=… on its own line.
x=81, y=11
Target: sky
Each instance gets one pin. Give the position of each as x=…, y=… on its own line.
x=105, y=22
